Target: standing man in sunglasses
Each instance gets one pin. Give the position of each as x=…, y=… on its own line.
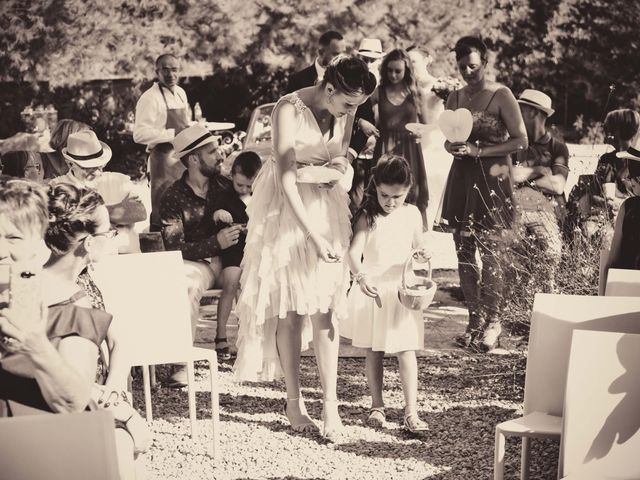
x=161, y=113
x=86, y=156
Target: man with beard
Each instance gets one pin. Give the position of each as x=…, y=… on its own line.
x=186, y=216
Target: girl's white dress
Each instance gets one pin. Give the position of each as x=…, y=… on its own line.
x=392, y=328
x=281, y=270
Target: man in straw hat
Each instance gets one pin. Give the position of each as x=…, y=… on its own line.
x=86, y=156
x=625, y=245
x=162, y=112
x=540, y=174
x=186, y=216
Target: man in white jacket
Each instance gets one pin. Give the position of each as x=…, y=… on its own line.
x=161, y=113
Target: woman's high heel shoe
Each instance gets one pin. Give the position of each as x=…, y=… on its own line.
x=331, y=433
x=306, y=425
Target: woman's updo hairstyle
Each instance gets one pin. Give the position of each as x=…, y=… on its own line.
x=390, y=170
x=24, y=203
x=467, y=45
x=350, y=75
x=72, y=212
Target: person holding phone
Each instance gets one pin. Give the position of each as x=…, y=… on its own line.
x=49, y=355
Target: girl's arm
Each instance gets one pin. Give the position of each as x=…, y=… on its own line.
x=419, y=240
x=355, y=256
x=285, y=119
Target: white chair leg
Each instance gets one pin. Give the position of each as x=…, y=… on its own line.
x=191, y=392
x=524, y=459
x=499, y=451
x=152, y=372
x=215, y=407
x=147, y=393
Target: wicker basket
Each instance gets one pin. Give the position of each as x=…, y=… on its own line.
x=419, y=295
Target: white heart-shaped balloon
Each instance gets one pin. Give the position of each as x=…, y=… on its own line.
x=456, y=125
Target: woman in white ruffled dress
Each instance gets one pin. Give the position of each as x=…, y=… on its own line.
x=294, y=281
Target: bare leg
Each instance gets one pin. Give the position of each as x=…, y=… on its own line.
x=375, y=374
x=288, y=341
x=230, y=285
x=326, y=344
x=408, y=367
x=124, y=447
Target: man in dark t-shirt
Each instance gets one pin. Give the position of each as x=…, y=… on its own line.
x=540, y=174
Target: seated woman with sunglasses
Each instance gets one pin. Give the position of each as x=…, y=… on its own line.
x=79, y=234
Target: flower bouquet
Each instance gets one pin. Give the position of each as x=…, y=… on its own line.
x=444, y=86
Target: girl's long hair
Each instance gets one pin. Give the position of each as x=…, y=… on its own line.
x=409, y=76
x=390, y=170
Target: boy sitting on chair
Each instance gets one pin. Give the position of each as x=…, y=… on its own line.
x=230, y=208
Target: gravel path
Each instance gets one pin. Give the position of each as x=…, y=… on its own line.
x=462, y=396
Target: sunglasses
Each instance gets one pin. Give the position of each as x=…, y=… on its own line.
x=37, y=166
x=111, y=233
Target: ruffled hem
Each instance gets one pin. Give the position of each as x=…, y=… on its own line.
x=281, y=271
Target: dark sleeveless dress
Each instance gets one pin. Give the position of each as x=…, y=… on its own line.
x=630, y=246
x=396, y=139
x=479, y=194
x=21, y=395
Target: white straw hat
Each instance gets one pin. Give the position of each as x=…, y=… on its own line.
x=370, y=47
x=191, y=138
x=85, y=150
x=537, y=99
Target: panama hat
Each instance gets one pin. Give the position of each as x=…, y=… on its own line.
x=632, y=153
x=537, y=99
x=85, y=150
x=370, y=47
x=191, y=138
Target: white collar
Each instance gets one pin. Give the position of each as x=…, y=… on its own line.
x=319, y=70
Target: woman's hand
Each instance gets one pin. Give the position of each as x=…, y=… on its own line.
x=423, y=255
x=339, y=163
x=23, y=335
x=467, y=149
x=325, y=249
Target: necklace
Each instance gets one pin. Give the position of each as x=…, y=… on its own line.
x=471, y=97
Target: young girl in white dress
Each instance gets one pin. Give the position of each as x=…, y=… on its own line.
x=386, y=230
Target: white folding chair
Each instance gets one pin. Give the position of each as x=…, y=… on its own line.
x=623, y=283
x=147, y=294
x=601, y=419
x=602, y=270
x=59, y=447
x=553, y=319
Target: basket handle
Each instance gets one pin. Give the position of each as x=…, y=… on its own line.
x=408, y=263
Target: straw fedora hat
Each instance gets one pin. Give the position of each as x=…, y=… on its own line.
x=85, y=150
x=191, y=138
x=370, y=47
x=537, y=99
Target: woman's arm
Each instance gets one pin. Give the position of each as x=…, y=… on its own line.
x=285, y=120
x=119, y=368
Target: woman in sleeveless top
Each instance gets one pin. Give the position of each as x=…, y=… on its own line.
x=294, y=279
x=478, y=199
x=398, y=104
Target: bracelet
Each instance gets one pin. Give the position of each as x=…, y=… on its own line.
x=359, y=276
x=478, y=153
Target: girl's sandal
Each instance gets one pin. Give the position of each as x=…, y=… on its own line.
x=413, y=424
x=376, y=418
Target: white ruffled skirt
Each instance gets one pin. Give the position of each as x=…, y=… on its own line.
x=281, y=270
